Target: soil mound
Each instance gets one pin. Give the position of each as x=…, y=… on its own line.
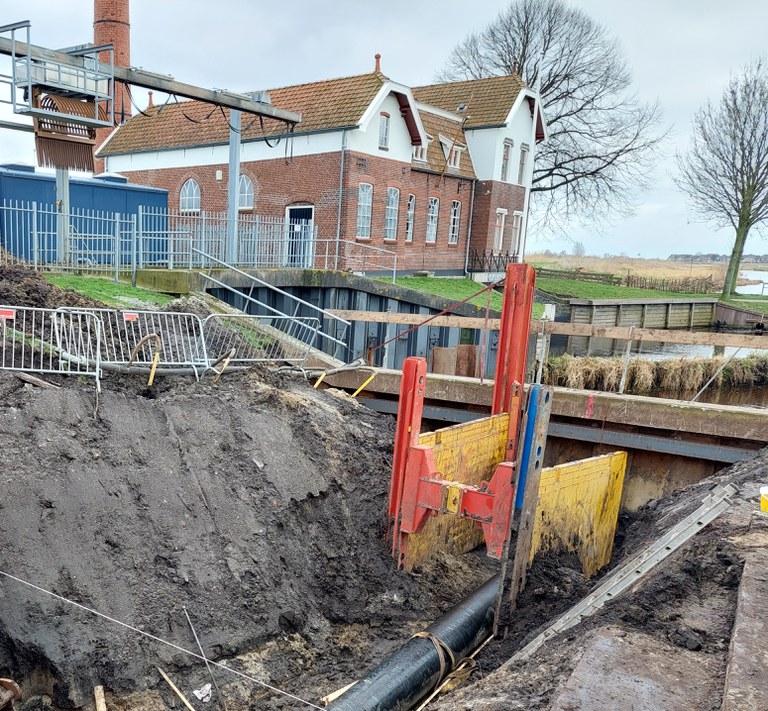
x=21, y=286
x=258, y=507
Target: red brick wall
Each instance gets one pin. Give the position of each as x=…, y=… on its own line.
x=314, y=180
x=111, y=25
x=491, y=195
x=416, y=255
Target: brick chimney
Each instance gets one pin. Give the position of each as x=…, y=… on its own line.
x=111, y=25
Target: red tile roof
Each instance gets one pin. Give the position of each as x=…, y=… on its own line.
x=451, y=129
x=334, y=103
x=488, y=101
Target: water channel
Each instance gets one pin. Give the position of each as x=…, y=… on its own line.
x=661, y=351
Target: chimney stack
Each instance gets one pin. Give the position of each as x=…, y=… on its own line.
x=111, y=25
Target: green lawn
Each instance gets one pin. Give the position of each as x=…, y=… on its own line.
x=458, y=290
x=575, y=289
x=755, y=303
x=107, y=291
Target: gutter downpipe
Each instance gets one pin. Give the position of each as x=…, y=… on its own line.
x=401, y=681
x=341, y=196
x=469, y=227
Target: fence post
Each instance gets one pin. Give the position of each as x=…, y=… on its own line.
x=134, y=237
x=140, y=237
x=35, y=241
x=116, y=241
x=394, y=271
x=204, y=246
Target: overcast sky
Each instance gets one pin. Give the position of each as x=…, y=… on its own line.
x=681, y=52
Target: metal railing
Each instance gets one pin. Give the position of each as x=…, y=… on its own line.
x=87, y=341
x=481, y=260
x=335, y=321
x=40, y=235
x=47, y=341
x=245, y=339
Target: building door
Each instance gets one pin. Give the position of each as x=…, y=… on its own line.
x=300, y=237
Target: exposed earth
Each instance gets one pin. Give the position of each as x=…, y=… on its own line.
x=257, y=504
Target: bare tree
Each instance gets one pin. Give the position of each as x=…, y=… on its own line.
x=601, y=139
x=725, y=171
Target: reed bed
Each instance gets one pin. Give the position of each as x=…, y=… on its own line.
x=675, y=375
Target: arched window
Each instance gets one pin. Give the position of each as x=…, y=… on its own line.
x=189, y=199
x=245, y=193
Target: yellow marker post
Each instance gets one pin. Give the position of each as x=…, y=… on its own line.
x=155, y=361
x=320, y=379
x=364, y=385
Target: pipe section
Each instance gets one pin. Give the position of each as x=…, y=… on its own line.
x=401, y=681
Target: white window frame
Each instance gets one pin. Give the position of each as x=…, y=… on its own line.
x=410, y=216
x=433, y=216
x=384, y=131
x=454, y=157
x=364, y=210
x=517, y=229
x=524, y=148
x=189, y=196
x=453, y=228
x=390, y=214
x=420, y=153
x=506, y=155
x=244, y=193
x=498, y=230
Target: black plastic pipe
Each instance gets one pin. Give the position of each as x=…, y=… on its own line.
x=412, y=672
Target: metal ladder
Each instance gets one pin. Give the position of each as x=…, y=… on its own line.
x=626, y=575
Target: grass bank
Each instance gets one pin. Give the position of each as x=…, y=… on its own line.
x=458, y=290
x=758, y=304
x=575, y=289
x=680, y=375
x=118, y=295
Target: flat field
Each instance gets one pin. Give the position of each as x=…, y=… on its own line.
x=620, y=266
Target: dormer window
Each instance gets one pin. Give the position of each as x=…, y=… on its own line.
x=452, y=152
x=420, y=153
x=384, y=131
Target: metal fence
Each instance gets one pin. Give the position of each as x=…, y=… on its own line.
x=48, y=341
x=87, y=341
x=42, y=236
x=248, y=339
x=480, y=260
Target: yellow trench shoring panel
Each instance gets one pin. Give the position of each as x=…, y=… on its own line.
x=578, y=509
x=467, y=453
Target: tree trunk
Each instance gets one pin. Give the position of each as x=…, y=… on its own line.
x=735, y=262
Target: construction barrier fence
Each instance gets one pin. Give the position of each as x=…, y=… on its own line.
x=88, y=341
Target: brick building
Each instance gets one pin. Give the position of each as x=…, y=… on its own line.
x=433, y=173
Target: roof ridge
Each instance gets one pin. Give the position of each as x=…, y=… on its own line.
x=516, y=77
x=379, y=75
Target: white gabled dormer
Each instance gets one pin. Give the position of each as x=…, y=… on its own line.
x=391, y=126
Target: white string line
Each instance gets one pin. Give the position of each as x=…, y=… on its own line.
x=161, y=640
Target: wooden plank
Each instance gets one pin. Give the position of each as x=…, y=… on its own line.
x=619, y=333
x=634, y=410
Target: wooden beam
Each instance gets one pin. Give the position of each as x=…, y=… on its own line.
x=633, y=410
x=619, y=333
x=158, y=82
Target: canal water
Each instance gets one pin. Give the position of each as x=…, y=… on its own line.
x=754, y=275
x=752, y=397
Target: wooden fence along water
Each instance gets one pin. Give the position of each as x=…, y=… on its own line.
x=686, y=285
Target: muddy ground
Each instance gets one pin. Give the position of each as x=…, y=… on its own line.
x=687, y=602
x=258, y=505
